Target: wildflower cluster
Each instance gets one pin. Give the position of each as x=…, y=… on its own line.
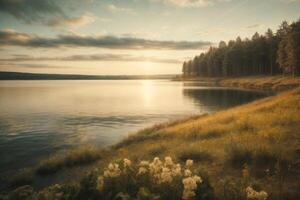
x=190, y=182
x=160, y=178
x=160, y=172
x=254, y=195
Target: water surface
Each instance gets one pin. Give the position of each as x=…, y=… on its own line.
x=38, y=118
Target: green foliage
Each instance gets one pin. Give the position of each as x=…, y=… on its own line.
x=267, y=54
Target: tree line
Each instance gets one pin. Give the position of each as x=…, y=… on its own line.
x=268, y=54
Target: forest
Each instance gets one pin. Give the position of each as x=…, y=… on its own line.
x=269, y=54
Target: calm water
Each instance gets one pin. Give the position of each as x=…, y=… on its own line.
x=38, y=118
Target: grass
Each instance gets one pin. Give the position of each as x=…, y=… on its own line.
x=275, y=83
x=76, y=157
x=196, y=154
x=260, y=134
x=264, y=135
x=24, y=177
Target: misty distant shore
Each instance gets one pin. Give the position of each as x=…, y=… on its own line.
x=36, y=76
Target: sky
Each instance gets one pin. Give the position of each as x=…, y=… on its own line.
x=126, y=37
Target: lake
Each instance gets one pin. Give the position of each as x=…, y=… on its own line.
x=39, y=118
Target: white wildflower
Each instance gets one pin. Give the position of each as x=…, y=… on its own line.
x=168, y=161
x=142, y=170
x=166, y=175
x=113, y=170
x=189, y=187
x=111, y=166
x=252, y=194
x=189, y=163
x=188, y=194
x=144, y=163
x=176, y=170
x=156, y=166
x=189, y=183
x=198, y=179
x=187, y=173
x=156, y=160
x=127, y=162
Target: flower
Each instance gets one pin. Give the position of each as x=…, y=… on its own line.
x=187, y=173
x=176, y=170
x=189, y=183
x=100, y=183
x=142, y=170
x=252, y=194
x=189, y=187
x=156, y=160
x=127, y=162
x=198, y=179
x=113, y=170
x=111, y=166
x=166, y=175
x=189, y=163
x=144, y=163
x=156, y=166
x=168, y=161
x=188, y=194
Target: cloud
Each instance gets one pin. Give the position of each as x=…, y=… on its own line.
x=45, y=12
x=74, y=22
x=92, y=57
x=10, y=37
x=8, y=65
x=30, y=10
x=116, y=9
x=190, y=3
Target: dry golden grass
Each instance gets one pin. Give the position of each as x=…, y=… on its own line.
x=263, y=134
x=275, y=83
x=81, y=156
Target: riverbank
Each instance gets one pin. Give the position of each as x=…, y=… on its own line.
x=258, y=141
x=273, y=83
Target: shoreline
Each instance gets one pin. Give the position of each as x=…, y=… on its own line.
x=265, y=83
x=183, y=139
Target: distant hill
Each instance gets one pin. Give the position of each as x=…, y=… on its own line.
x=36, y=76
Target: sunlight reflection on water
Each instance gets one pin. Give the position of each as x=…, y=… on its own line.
x=38, y=118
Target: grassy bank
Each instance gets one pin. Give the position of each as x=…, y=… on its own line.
x=258, y=143
x=274, y=83
x=264, y=135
